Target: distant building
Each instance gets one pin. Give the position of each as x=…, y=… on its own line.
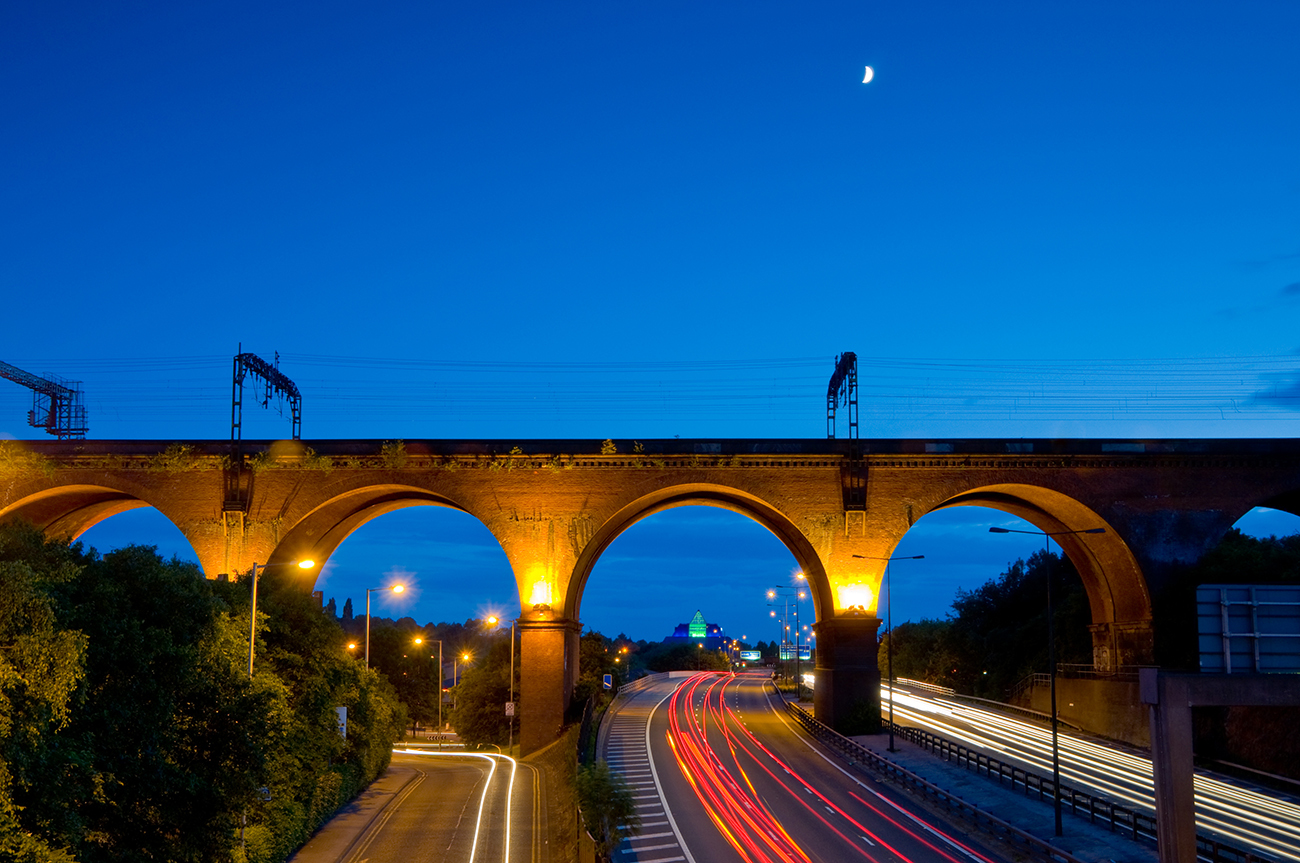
x=699, y=631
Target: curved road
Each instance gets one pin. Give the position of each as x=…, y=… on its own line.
x=727, y=777
x=456, y=807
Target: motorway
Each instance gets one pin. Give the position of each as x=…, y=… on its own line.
x=719, y=773
x=1234, y=814
x=453, y=806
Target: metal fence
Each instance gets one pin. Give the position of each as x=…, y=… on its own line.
x=1098, y=810
x=858, y=754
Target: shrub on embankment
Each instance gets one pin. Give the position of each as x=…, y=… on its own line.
x=130, y=730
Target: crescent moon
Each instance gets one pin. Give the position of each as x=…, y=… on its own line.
x=869, y=75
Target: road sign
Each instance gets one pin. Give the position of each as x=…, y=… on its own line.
x=510, y=708
x=609, y=681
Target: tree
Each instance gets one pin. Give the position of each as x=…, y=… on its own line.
x=129, y=728
x=479, y=716
x=920, y=651
x=176, y=727
x=998, y=634
x=608, y=811
x=41, y=670
x=684, y=657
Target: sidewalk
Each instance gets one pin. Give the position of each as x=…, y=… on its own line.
x=1085, y=840
x=337, y=836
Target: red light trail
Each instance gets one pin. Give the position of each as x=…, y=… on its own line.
x=721, y=759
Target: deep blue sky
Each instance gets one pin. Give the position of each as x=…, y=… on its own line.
x=596, y=220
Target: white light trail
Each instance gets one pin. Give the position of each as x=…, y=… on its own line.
x=491, y=758
x=1238, y=815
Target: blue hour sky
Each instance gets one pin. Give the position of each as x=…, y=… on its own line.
x=590, y=220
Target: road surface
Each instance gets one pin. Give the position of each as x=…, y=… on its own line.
x=1237, y=815
x=720, y=774
x=455, y=807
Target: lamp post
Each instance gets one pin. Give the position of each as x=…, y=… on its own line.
x=1051, y=655
x=796, y=595
x=252, y=626
x=439, y=640
x=798, y=676
x=510, y=744
x=889, y=622
x=783, y=628
x=395, y=588
x=494, y=620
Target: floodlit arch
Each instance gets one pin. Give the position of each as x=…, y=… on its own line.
x=701, y=494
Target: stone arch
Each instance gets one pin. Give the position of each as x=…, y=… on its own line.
x=322, y=530
x=703, y=494
x=68, y=511
x=1117, y=590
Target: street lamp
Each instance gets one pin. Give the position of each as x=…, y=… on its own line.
x=252, y=627
x=889, y=622
x=1051, y=655
x=395, y=588
x=798, y=595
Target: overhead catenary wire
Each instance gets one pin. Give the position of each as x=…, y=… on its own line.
x=784, y=396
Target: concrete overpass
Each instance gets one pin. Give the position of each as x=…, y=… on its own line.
x=556, y=505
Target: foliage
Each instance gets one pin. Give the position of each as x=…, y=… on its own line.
x=314, y=769
x=16, y=462
x=607, y=447
x=596, y=659
x=177, y=458
x=998, y=632
x=479, y=715
x=684, y=657
x=608, y=811
x=307, y=459
x=393, y=454
x=131, y=730
x=921, y=651
x=1238, y=559
x=41, y=669
x=312, y=460
x=514, y=454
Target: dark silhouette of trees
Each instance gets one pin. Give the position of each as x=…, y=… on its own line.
x=130, y=730
x=997, y=633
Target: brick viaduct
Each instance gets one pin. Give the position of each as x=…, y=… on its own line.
x=555, y=506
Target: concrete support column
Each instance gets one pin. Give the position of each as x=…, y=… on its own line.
x=1171, y=757
x=548, y=659
x=1171, y=698
x=846, y=688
